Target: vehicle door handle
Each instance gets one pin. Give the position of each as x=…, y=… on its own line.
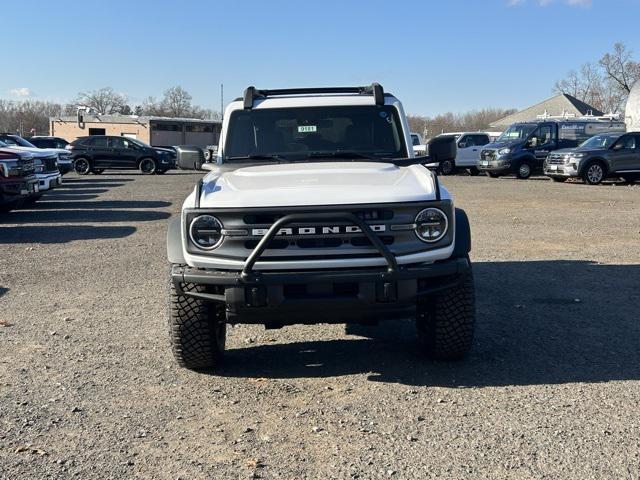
x=475, y=149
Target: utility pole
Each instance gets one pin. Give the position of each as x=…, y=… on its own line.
x=221, y=101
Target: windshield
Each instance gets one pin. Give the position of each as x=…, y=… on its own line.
x=137, y=142
x=15, y=140
x=516, y=132
x=599, y=141
x=300, y=133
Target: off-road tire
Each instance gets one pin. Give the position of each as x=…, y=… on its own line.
x=196, y=329
x=446, y=322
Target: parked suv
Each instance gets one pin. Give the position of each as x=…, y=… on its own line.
x=599, y=157
x=98, y=152
x=468, y=146
x=317, y=211
x=523, y=147
x=64, y=163
x=17, y=178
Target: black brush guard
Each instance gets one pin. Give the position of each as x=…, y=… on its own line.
x=278, y=298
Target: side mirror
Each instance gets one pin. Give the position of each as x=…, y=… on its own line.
x=462, y=145
x=617, y=146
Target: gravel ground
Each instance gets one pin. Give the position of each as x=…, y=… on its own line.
x=88, y=387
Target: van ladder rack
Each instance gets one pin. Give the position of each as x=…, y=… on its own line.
x=251, y=93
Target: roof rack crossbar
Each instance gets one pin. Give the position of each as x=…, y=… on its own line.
x=251, y=93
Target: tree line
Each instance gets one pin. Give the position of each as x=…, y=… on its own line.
x=29, y=117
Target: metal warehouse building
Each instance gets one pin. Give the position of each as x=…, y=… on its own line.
x=156, y=131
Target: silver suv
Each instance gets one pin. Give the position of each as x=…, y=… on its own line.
x=602, y=156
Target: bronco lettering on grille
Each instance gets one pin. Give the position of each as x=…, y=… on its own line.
x=328, y=230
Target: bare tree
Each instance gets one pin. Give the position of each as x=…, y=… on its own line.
x=604, y=85
x=475, y=120
x=104, y=100
x=620, y=67
x=177, y=102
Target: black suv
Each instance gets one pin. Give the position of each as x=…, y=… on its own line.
x=48, y=142
x=99, y=152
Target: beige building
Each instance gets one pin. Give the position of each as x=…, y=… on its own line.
x=156, y=131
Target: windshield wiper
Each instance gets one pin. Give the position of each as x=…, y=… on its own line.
x=346, y=154
x=280, y=158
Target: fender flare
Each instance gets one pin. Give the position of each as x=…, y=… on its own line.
x=174, y=242
x=462, y=240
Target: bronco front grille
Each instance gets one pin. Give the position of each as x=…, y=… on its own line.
x=321, y=239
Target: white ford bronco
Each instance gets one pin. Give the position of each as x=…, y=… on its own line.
x=317, y=211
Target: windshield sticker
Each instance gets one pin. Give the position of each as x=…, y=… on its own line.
x=307, y=128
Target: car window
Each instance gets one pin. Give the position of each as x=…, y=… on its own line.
x=465, y=141
x=117, y=142
x=628, y=142
x=480, y=140
x=100, y=142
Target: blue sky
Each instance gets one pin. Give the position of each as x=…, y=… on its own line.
x=436, y=56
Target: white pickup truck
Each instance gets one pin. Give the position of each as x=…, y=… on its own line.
x=317, y=211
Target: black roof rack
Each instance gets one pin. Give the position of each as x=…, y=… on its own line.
x=251, y=93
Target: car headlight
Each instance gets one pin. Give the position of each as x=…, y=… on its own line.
x=39, y=166
x=576, y=155
x=205, y=232
x=431, y=225
x=504, y=151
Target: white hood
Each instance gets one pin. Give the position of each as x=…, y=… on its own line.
x=321, y=183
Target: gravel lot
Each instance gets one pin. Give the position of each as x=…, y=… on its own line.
x=88, y=387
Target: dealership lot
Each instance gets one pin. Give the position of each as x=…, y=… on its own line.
x=88, y=387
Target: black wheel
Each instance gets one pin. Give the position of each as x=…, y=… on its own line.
x=446, y=322
x=594, y=173
x=559, y=179
x=196, y=329
x=524, y=170
x=82, y=166
x=97, y=171
x=148, y=166
x=447, y=167
x=473, y=171
x=493, y=175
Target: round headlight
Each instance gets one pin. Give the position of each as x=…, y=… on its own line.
x=431, y=225
x=205, y=232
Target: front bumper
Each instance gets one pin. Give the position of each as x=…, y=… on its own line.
x=16, y=188
x=494, y=166
x=308, y=297
x=49, y=180
x=562, y=170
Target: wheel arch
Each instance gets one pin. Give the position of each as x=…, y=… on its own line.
x=174, y=242
x=462, y=238
x=600, y=160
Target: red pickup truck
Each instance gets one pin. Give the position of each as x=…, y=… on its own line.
x=18, y=181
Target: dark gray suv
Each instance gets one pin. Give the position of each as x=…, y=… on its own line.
x=601, y=156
